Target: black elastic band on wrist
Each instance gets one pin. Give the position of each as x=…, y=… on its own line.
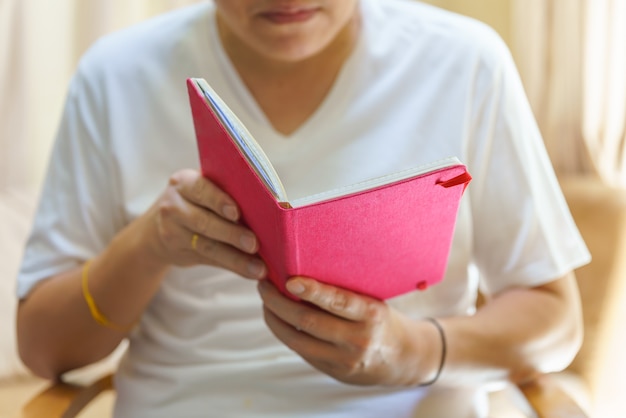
x=444, y=350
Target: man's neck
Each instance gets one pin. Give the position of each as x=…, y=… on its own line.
x=290, y=92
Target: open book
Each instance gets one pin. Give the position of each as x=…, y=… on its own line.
x=383, y=237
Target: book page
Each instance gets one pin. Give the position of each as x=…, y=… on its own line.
x=376, y=182
x=244, y=141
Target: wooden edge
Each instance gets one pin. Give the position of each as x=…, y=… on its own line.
x=63, y=400
x=549, y=400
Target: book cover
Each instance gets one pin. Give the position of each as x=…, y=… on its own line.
x=386, y=238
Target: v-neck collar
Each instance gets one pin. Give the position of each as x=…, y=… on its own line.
x=326, y=112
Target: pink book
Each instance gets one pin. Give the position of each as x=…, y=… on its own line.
x=381, y=238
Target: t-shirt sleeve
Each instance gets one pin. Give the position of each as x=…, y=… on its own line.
x=79, y=210
x=523, y=232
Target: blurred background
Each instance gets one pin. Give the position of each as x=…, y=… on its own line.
x=571, y=55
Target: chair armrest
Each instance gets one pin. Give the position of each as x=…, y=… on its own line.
x=64, y=400
x=549, y=400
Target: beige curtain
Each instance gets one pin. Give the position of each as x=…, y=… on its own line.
x=40, y=43
x=572, y=57
x=604, y=123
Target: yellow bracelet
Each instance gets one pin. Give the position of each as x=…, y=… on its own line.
x=93, y=309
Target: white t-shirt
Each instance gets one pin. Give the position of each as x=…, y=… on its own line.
x=422, y=84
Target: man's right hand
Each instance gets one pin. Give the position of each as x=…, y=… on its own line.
x=195, y=222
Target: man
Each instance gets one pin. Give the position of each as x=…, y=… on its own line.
x=336, y=92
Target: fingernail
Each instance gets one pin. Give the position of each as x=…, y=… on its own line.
x=248, y=242
x=230, y=212
x=295, y=287
x=256, y=268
